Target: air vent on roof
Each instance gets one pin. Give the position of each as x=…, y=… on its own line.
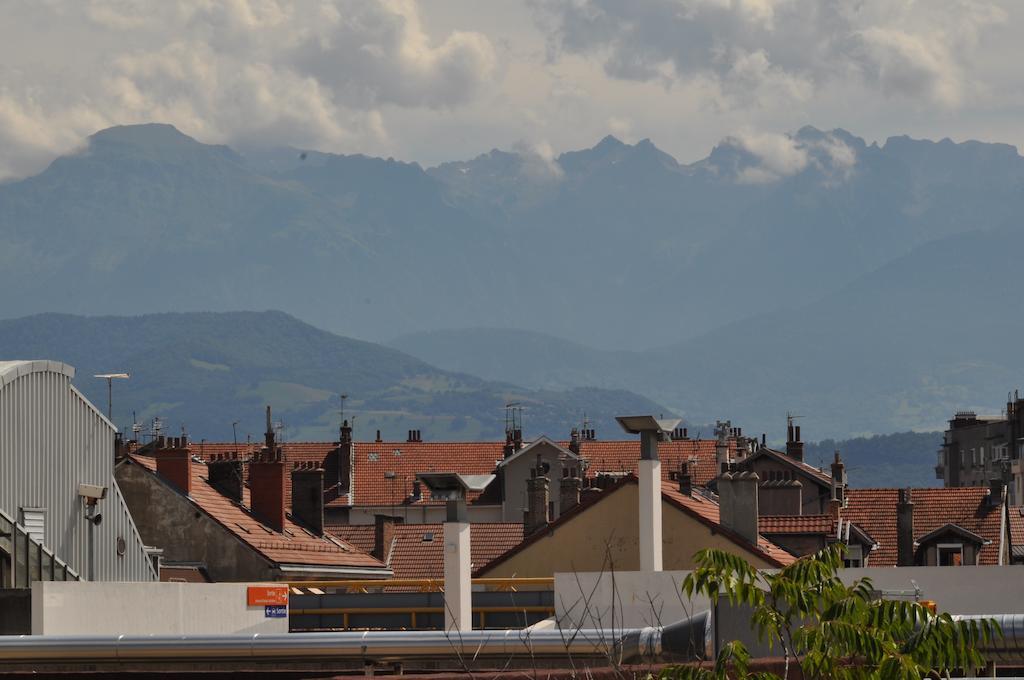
x=389, y=474
x=242, y=528
x=373, y=457
x=289, y=532
x=428, y=537
x=397, y=452
x=266, y=529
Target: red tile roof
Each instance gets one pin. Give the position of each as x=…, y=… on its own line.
x=413, y=557
x=822, y=477
x=375, y=463
x=622, y=456
x=1017, y=529
x=293, y=546
x=698, y=506
x=874, y=510
x=797, y=524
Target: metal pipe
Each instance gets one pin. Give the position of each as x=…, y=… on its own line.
x=1009, y=647
x=685, y=640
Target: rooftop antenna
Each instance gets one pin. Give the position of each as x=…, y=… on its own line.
x=342, y=412
x=158, y=426
x=234, y=433
x=110, y=378
x=136, y=427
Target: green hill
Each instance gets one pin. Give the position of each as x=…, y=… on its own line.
x=203, y=371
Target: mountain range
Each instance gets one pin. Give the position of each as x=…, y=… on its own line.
x=865, y=286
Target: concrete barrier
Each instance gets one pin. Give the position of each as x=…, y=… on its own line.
x=105, y=608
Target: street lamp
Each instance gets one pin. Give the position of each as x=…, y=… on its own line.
x=650, y=430
x=110, y=378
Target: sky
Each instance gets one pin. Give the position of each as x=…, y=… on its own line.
x=450, y=79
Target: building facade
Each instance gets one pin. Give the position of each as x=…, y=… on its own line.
x=57, y=482
x=978, y=450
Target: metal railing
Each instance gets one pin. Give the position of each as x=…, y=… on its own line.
x=23, y=559
x=424, y=585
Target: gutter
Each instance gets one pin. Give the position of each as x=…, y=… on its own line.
x=364, y=572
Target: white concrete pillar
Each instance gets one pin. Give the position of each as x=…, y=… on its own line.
x=650, y=514
x=458, y=592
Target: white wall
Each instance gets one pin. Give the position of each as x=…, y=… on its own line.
x=644, y=599
x=640, y=599
x=147, y=609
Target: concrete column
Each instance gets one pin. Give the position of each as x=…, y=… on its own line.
x=650, y=514
x=458, y=594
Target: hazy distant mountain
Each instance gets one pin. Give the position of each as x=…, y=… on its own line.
x=206, y=370
x=868, y=285
x=902, y=347
x=903, y=458
x=582, y=246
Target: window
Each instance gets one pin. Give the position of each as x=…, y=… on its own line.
x=854, y=556
x=34, y=521
x=950, y=554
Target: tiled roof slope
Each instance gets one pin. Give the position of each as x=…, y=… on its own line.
x=796, y=524
x=824, y=478
x=700, y=507
x=622, y=456
x=1016, y=515
x=375, y=462
x=410, y=556
x=707, y=511
x=294, y=546
x=875, y=511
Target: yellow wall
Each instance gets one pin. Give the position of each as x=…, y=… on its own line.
x=608, y=531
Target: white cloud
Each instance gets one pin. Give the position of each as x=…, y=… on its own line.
x=274, y=71
x=777, y=156
x=760, y=52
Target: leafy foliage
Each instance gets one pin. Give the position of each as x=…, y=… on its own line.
x=832, y=630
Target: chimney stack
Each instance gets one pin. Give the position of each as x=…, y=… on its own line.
x=997, y=488
x=794, y=446
x=685, y=480
x=175, y=466
x=268, y=436
x=338, y=464
x=574, y=441
x=569, y=492
x=737, y=500
x=378, y=439
x=722, y=444
x=905, y=529
x=308, y=496
x=839, y=479
x=383, y=536
x=537, y=497
x=225, y=475
x=266, y=483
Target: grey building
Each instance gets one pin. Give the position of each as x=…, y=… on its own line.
x=62, y=515
x=978, y=450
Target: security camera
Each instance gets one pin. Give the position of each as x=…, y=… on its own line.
x=96, y=519
x=92, y=492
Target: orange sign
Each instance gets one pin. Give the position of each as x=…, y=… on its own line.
x=259, y=596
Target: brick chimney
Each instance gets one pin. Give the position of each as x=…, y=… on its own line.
x=383, y=536
x=509, y=448
x=905, y=529
x=737, y=500
x=569, y=491
x=685, y=480
x=722, y=442
x=574, y=441
x=996, y=491
x=338, y=464
x=308, y=496
x=266, y=482
x=174, y=465
x=794, y=446
x=838, y=479
x=537, y=496
x=224, y=472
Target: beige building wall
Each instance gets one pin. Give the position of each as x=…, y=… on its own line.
x=605, y=536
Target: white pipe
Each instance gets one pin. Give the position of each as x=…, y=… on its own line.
x=458, y=612
x=686, y=639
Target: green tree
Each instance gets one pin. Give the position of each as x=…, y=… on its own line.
x=831, y=630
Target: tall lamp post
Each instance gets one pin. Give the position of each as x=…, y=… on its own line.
x=110, y=378
x=650, y=430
